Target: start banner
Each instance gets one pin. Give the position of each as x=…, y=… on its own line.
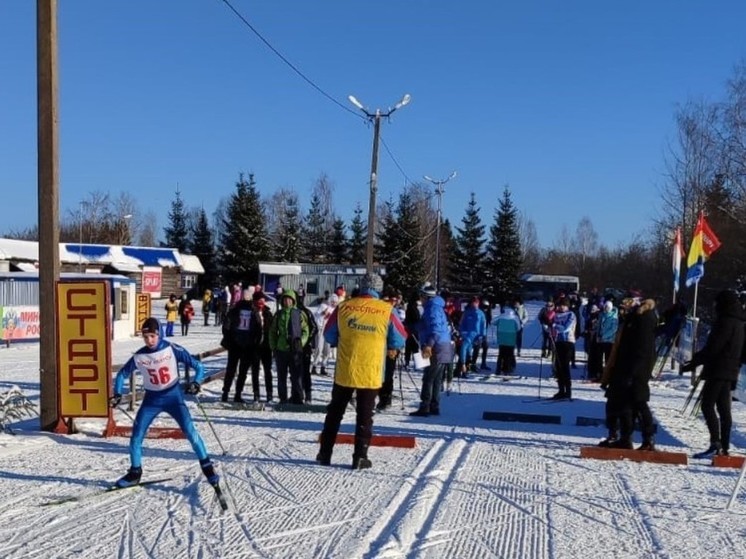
x=84, y=348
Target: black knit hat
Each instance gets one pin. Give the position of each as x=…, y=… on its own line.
x=151, y=326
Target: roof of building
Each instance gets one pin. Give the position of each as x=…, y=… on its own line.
x=122, y=258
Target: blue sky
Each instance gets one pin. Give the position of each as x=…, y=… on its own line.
x=570, y=103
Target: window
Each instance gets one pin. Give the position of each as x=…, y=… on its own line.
x=312, y=287
x=188, y=281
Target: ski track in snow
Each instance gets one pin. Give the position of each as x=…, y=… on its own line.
x=470, y=488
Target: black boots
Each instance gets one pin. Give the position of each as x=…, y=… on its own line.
x=361, y=463
x=716, y=449
x=209, y=471
x=132, y=477
x=324, y=458
x=647, y=444
x=422, y=411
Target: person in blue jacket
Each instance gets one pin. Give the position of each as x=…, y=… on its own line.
x=472, y=328
x=563, y=327
x=435, y=344
x=158, y=363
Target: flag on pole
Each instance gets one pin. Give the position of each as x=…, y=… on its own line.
x=678, y=254
x=704, y=244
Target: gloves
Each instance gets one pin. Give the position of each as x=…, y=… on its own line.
x=115, y=400
x=545, y=327
x=427, y=352
x=192, y=388
x=392, y=353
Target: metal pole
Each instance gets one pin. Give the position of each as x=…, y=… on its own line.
x=439, y=191
x=376, y=118
x=373, y=192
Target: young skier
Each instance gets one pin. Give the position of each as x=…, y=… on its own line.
x=158, y=363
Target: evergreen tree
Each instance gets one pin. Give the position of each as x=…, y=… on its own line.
x=504, y=251
x=244, y=242
x=358, y=237
x=290, y=232
x=400, y=246
x=339, y=252
x=468, y=258
x=316, y=231
x=204, y=249
x=177, y=233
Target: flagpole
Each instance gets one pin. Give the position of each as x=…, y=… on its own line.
x=694, y=307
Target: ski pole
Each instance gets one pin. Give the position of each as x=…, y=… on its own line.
x=121, y=409
x=207, y=418
x=401, y=388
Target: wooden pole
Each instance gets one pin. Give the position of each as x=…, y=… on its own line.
x=48, y=205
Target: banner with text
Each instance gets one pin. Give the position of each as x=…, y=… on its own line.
x=84, y=348
x=20, y=323
x=143, y=310
x=152, y=280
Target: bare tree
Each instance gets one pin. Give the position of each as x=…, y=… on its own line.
x=529, y=242
x=691, y=166
x=146, y=232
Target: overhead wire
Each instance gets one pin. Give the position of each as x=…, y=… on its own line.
x=310, y=82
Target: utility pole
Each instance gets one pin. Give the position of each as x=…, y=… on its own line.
x=439, y=189
x=376, y=118
x=48, y=205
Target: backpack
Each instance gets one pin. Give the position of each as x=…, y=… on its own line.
x=313, y=328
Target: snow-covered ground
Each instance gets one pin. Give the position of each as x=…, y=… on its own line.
x=470, y=487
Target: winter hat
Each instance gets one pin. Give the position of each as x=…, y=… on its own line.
x=428, y=290
x=608, y=306
x=333, y=300
x=371, y=282
x=151, y=326
x=594, y=308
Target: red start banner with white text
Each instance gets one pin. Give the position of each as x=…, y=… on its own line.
x=19, y=323
x=152, y=281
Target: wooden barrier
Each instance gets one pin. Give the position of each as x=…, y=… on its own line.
x=396, y=441
x=655, y=456
x=728, y=461
x=521, y=417
x=301, y=408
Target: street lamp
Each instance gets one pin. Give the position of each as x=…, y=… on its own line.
x=439, y=188
x=376, y=118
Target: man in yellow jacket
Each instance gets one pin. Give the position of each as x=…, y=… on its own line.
x=363, y=329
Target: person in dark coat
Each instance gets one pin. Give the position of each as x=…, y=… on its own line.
x=626, y=379
x=262, y=356
x=241, y=336
x=721, y=360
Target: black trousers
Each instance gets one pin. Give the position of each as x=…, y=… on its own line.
x=562, y=360
x=387, y=390
x=341, y=396
x=290, y=362
x=716, y=395
x=238, y=358
x=262, y=358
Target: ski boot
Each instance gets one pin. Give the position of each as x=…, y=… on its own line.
x=132, y=477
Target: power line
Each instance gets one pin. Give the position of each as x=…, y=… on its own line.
x=292, y=66
x=310, y=82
